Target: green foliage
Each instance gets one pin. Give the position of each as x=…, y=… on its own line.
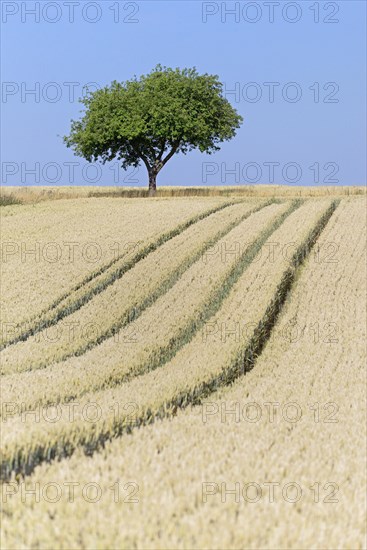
x=151, y=118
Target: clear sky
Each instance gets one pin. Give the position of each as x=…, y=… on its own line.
x=294, y=70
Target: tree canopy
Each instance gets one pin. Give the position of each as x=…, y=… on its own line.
x=151, y=118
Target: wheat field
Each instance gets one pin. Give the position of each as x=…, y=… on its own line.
x=183, y=371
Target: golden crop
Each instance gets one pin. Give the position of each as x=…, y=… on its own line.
x=26, y=195
x=143, y=344
x=197, y=367
x=106, y=312
x=244, y=373
x=49, y=248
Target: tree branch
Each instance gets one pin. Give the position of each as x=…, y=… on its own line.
x=159, y=157
x=145, y=160
x=142, y=156
x=171, y=153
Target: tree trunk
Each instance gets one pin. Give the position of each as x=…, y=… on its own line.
x=152, y=183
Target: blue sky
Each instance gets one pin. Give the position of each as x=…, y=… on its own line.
x=294, y=70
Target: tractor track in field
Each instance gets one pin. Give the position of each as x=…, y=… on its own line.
x=175, y=338
x=20, y=463
x=124, y=318
x=48, y=317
